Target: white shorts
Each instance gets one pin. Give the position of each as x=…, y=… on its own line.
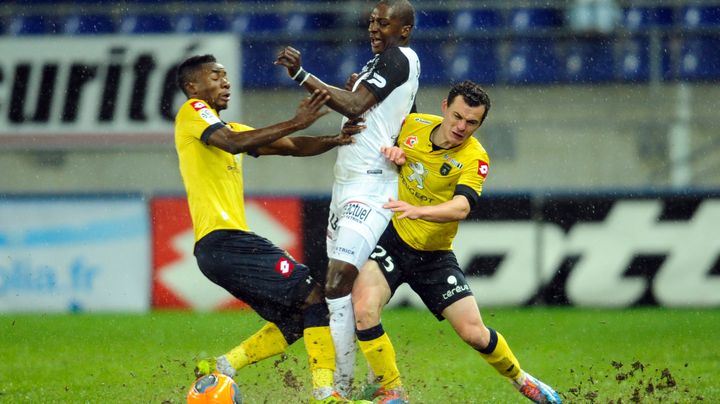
x=357, y=219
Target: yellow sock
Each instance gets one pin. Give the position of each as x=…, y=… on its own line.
x=499, y=356
x=380, y=355
x=268, y=341
x=321, y=355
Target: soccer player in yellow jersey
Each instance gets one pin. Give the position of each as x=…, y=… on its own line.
x=442, y=171
x=250, y=267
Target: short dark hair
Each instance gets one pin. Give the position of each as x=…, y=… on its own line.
x=187, y=70
x=472, y=93
x=401, y=9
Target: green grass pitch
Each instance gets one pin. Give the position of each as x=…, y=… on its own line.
x=591, y=356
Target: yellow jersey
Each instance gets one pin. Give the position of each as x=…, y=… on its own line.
x=431, y=177
x=213, y=177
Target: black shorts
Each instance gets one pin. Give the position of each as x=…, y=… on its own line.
x=255, y=271
x=434, y=275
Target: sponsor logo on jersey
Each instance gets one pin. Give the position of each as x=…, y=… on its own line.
x=374, y=172
x=452, y=161
x=411, y=141
x=198, y=105
x=284, y=267
x=445, y=169
x=483, y=168
x=418, y=175
x=208, y=116
x=425, y=121
x=356, y=211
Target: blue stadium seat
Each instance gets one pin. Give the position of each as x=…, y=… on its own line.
x=640, y=18
x=432, y=65
x=33, y=25
x=700, y=16
x=350, y=59
x=146, y=24
x=468, y=21
x=89, y=24
x=431, y=20
x=588, y=60
x=189, y=23
x=633, y=64
x=700, y=58
x=256, y=23
x=524, y=19
x=532, y=61
x=258, y=68
x=472, y=60
x=297, y=23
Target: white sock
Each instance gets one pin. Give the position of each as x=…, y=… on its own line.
x=342, y=329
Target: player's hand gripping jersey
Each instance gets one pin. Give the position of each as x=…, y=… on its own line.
x=212, y=177
x=392, y=76
x=446, y=173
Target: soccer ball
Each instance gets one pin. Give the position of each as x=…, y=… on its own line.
x=215, y=388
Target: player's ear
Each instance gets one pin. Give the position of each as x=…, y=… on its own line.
x=443, y=106
x=190, y=88
x=405, y=32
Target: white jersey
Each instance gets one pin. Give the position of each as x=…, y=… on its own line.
x=392, y=76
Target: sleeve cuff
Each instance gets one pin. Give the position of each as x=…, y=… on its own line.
x=205, y=137
x=468, y=193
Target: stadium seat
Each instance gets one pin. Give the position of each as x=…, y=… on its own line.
x=475, y=60
x=428, y=20
x=351, y=59
x=146, y=24
x=698, y=16
x=532, y=61
x=524, y=19
x=469, y=21
x=89, y=24
x=297, y=23
x=189, y=23
x=33, y=25
x=634, y=64
x=640, y=18
x=432, y=66
x=588, y=60
x=256, y=23
x=258, y=68
x=700, y=58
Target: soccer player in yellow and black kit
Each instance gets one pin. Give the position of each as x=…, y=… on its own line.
x=250, y=267
x=442, y=171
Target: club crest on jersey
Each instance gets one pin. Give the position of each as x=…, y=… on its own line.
x=483, y=168
x=411, y=141
x=445, y=169
x=284, y=267
x=198, y=105
x=452, y=161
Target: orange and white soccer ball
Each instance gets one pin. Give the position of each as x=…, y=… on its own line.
x=215, y=388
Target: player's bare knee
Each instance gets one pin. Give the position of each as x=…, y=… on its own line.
x=367, y=314
x=475, y=335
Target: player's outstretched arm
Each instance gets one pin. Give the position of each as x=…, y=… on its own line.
x=302, y=146
x=309, y=111
x=453, y=210
x=349, y=103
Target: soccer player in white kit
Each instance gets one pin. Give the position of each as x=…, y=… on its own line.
x=382, y=95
